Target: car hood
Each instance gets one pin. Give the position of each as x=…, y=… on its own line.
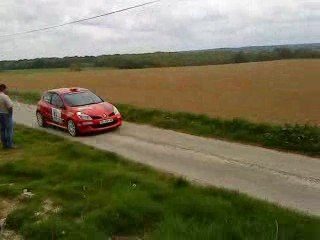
x=96, y=109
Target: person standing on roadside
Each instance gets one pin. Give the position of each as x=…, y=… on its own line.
x=6, y=118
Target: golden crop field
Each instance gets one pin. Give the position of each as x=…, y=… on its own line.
x=278, y=92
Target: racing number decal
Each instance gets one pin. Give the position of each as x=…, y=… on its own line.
x=56, y=115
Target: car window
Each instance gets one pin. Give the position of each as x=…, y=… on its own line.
x=47, y=97
x=56, y=101
x=81, y=99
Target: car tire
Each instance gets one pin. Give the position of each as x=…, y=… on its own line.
x=72, y=129
x=40, y=120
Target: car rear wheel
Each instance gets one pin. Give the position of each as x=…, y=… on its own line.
x=41, y=121
x=72, y=129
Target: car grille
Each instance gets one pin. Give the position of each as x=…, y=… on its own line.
x=96, y=117
x=97, y=126
x=100, y=117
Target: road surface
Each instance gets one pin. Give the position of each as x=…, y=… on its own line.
x=289, y=180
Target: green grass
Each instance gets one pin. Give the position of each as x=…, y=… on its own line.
x=102, y=195
x=303, y=139
x=25, y=97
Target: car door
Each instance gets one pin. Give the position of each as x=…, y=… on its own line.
x=57, y=110
x=45, y=106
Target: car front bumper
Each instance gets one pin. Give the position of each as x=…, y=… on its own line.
x=96, y=125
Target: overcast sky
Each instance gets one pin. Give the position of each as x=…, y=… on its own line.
x=169, y=25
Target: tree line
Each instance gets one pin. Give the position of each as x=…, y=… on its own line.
x=163, y=59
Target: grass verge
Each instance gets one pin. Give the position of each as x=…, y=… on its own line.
x=84, y=193
x=302, y=139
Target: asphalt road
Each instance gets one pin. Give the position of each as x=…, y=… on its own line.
x=289, y=180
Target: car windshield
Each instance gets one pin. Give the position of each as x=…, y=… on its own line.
x=81, y=99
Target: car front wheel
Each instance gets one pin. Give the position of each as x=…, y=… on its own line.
x=72, y=129
x=40, y=120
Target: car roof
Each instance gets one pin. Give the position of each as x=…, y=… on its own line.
x=68, y=90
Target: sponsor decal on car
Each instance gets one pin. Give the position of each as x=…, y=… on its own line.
x=56, y=115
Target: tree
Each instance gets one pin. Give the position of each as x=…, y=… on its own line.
x=240, y=57
x=283, y=53
x=75, y=67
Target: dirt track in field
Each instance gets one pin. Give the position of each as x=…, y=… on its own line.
x=278, y=92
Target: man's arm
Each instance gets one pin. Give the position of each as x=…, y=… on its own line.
x=10, y=110
x=9, y=105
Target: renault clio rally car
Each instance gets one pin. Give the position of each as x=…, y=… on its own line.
x=77, y=110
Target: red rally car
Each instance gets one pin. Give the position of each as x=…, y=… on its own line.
x=77, y=110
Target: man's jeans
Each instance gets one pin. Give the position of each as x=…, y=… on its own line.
x=6, y=124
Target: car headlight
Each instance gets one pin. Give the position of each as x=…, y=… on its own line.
x=115, y=110
x=83, y=116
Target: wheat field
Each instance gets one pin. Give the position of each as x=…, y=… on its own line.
x=278, y=92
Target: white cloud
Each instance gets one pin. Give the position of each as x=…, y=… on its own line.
x=170, y=25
